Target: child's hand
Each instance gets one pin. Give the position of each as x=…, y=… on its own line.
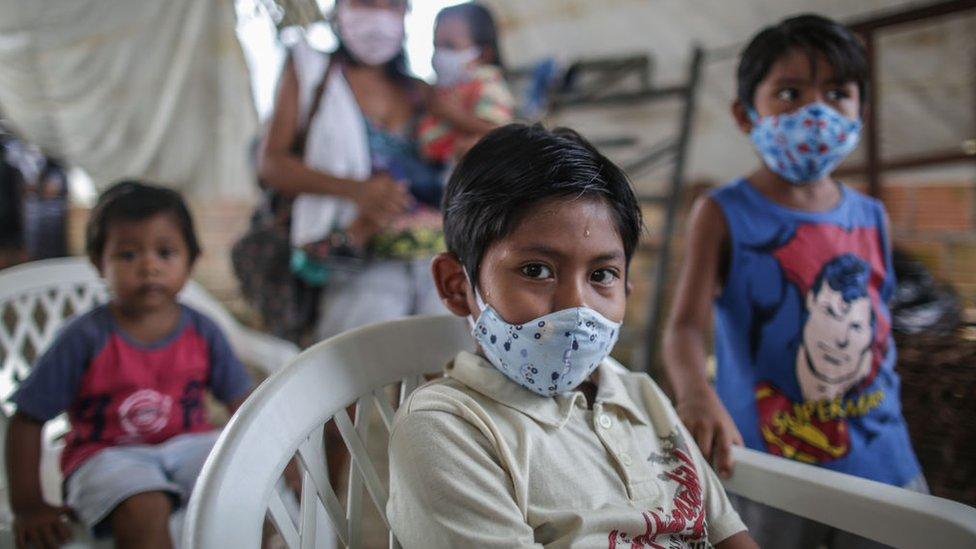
x=42, y=527
x=381, y=198
x=443, y=105
x=449, y=109
x=712, y=426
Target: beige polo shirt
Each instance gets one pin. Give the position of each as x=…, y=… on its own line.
x=478, y=461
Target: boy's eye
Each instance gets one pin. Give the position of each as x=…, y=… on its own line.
x=837, y=95
x=126, y=255
x=787, y=94
x=605, y=277
x=537, y=270
x=166, y=252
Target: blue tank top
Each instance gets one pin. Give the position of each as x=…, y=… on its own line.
x=803, y=334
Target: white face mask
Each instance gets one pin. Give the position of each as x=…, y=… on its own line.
x=453, y=66
x=549, y=355
x=373, y=36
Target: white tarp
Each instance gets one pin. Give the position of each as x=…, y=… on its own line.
x=132, y=88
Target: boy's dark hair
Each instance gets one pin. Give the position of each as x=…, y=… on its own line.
x=135, y=201
x=515, y=167
x=484, y=32
x=811, y=34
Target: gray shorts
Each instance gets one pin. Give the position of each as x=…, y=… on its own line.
x=771, y=527
x=114, y=474
x=382, y=290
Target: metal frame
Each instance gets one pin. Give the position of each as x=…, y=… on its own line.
x=868, y=29
x=655, y=309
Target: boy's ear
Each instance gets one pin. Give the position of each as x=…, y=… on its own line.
x=452, y=284
x=740, y=113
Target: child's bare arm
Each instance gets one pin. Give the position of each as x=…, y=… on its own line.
x=450, y=111
x=36, y=523
x=279, y=167
x=697, y=404
x=742, y=540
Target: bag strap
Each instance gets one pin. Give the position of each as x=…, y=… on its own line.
x=275, y=208
x=301, y=138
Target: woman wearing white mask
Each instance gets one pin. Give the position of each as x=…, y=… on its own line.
x=342, y=142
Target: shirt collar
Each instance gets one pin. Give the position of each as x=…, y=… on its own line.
x=479, y=375
x=612, y=391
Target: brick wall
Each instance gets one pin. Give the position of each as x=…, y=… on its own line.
x=937, y=224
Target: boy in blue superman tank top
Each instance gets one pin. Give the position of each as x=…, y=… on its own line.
x=795, y=268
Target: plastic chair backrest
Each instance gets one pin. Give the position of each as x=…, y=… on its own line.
x=35, y=300
x=285, y=414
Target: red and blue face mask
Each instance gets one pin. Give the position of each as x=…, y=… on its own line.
x=804, y=145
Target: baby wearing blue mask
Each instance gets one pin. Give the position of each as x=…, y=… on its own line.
x=538, y=437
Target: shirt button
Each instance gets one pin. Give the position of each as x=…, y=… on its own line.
x=605, y=421
x=625, y=459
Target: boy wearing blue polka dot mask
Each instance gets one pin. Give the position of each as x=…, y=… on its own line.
x=537, y=439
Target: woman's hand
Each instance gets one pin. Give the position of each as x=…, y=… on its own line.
x=706, y=418
x=361, y=231
x=381, y=198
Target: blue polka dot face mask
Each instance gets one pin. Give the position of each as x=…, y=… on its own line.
x=806, y=144
x=549, y=355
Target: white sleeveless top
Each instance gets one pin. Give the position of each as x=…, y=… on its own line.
x=337, y=145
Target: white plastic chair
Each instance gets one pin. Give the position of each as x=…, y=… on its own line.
x=236, y=489
x=36, y=299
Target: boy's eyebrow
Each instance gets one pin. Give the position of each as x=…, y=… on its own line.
x=541, y=249
x=549, y=251
x=126, y=240
x=609, y=256
x=785, y=80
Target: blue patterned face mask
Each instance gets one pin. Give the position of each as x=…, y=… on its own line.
x=806, y=144
x=549, y=355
